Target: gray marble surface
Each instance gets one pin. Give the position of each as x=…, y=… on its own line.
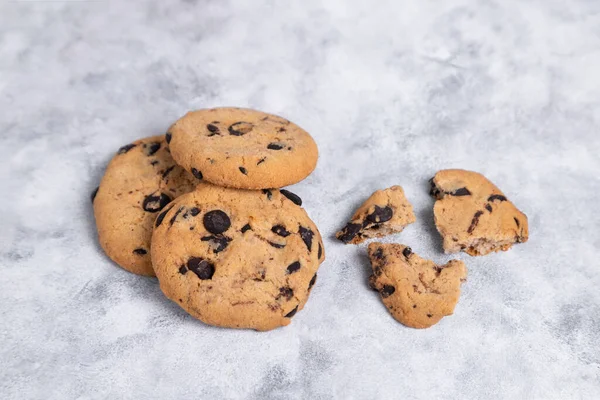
x=392, y=91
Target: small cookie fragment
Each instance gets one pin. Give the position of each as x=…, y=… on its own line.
x=473, y=215
x=416, y=292
x=384, y=213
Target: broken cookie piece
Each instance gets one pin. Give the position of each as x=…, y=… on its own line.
x=416, y=292
x=384, y=213
x=473, y=215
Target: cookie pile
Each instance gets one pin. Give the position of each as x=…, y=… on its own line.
x=202, y=209
x=471, y=214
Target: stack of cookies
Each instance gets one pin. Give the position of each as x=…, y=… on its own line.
x=202, y=209
x=471, y=214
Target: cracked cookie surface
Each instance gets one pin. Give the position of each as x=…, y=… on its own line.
x=415, y=291
x=385, y=212
x=237, y=258
x=139, y=181
x=473, y=215
x=242, y=148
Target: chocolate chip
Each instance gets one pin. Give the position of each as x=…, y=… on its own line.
x=240, y=128
x=293, y=197
x=153, y=162
x=307, y=236
x=140, y=252
x=245, y=228
x=275, y=146
x=213, y=129
x=488, y=207
x=220, y=242
x=293, y=267
x=474, y=221
x=407, y=252
x=126, y=148
x=517, y=222
x=243, y=171
x=168, y=137
x=378, y=254
x=381, y=214
x=387, y=291
x=197, y=173
x=291, y=313
x=276, y=245
x=168, y=171
x=94, y=193
x=434, y=191
x=262, y=160
x=191, y=212
x=151, y=148
x=461, y=192
x=285, y=292
x=496, y=197
x=280, y=230
x=204, y=269
x=429, y=315
x=312, y=282
x=172, y=221
x=349, y=232
x=182, y=270
x=216, y=221
x=154, y=203
x=268, y=193
x=320, y=251
x=161, y=216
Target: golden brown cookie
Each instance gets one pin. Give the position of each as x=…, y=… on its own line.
x=242, y=148
x=140, y=180
x=417, y=292
x=473, y=215
x=384, y=213
x=237, y=258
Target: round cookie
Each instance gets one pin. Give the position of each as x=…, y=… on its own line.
x=242, y=148
x=237, y=258
x=140, y=181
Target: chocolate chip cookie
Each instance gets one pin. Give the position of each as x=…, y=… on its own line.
x=473, y=215
x=242, y=148
x=140, y=181
x=384, y=213
x=416, y=292
x=237, y=258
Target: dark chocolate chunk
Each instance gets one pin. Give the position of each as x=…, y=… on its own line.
x=213, y=129
x=240, y=128
x=429, y=315
x=161, y=216
x=434, y=191
x=182, y=270
x=293, y=267
x=291, y=313
x=153, y=203
x=275, y=146
x=126, y=148
x=201, y=267
x=307, y=236
x=320, y=251
x=94, y=193
x=172, y=221
x=407, y=252
x=245, y=228
x=197, y=173
x=293, y=197
x=262, y=160
x=268, y=193
x=168, y=137
x=191, y=212
x=381, y=214
x=312, y=282
x=285, y=292
x=387, y=291
x=151, y=148
x=280, y=230
x=349, y=232
x=221, y=242
x=378, y=254
x=474, y=221
x=216, y=221
x=461, y=192
x=140, y=252
x=276, y=245
x=496, y=197
x=243, y=171
x=168, y=171
x=517, y=222
x=488, y=207
x=153, y=162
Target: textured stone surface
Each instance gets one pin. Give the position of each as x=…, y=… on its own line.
x=391, y=92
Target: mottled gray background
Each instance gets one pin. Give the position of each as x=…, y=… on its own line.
x=392, y=91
